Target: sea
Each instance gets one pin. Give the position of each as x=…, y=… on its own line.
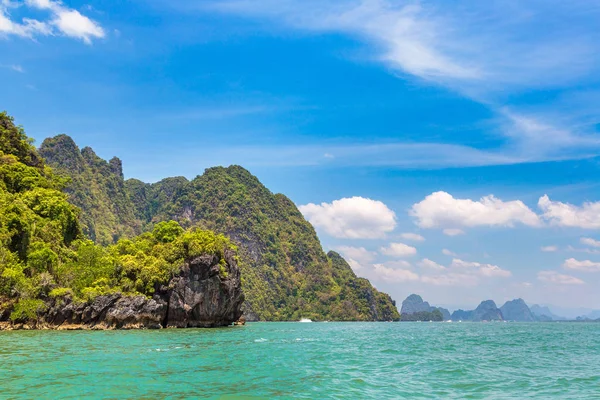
x=287, y=360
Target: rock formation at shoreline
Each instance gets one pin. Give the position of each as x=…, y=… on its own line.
x=203, y=294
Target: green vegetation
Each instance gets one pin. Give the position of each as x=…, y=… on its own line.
x=44, y=255
x=285, y=273
x=435, y=315
x=51, y=248
x=96, y=187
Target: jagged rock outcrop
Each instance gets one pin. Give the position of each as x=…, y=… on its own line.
x=517, y=310
x=96, y=186
x=487, y=311
x=414, y=304
x=205, y=294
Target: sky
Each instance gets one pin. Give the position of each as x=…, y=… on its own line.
x=448, y=149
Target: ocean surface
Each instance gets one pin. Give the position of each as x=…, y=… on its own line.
x=308, y=360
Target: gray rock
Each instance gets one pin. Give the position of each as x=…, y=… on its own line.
x=487, y=311
x=203, y=294
x=517, y=310
x=414, y=304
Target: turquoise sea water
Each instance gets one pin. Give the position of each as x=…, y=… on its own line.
x=318, y=360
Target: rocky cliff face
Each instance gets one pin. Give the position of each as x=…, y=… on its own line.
x=487, y=311
x=204, y=294
x=96, y=186
x=414, y=304
x=517, y=310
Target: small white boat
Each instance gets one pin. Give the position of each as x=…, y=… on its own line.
x=305, y=320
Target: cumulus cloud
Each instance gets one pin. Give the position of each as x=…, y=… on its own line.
x=63, y=21
x=394, y=275
x=586, y=216
x=357, y=257
x=431, y=265
x=442, y=210
x=459, y=273
x=351, y=218
x=590, y=242
x=585, y=265
x=487, y=270
x=398, y=250
x=451, y=279
x=453, y=232
x=549, y=249
x=559, y=279
x=412, y=236
x=447, y=252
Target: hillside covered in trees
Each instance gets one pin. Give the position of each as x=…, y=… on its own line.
x=45, y=256
x=285, y=273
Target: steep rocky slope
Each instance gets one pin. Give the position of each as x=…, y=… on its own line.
x=517, y=310
x=96, y=186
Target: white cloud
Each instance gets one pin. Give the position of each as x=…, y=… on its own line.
x=447, y=252
x=351, y=218
x=412, y=236
x=63, y=20
x=468, y=50
x=487, y=270
x=398, y=250
x=357, y=257
x=584, y=250
x=431, y=265
x=590, y=242
x=560, y=279
x=73, y=24
x=442, y=210
x=451, y=279
x=585, y=265
x=394, y=275
x=459, y=273
x=453, y=232
x=17, y=68
x=27, y=28
x=549, y=249
x=586, y=216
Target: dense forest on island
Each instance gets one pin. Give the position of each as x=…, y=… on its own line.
x=71, y=224
x=45, y=254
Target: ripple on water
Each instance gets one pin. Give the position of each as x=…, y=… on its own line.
x=291, y=360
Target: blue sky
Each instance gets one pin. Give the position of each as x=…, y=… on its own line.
x=378, y=118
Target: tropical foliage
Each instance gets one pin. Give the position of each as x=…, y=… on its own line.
x=43, y=253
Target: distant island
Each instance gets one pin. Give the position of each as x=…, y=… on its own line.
x=415, y=309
